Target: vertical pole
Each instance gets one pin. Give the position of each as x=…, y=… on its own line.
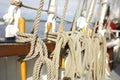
x=62, y=68
x=49, y=27
x=21, y=26
x=62, y=61
x=102, y=16
x=117, y=34
x=23, y=70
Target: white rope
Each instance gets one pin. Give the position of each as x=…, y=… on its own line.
x=82, y=60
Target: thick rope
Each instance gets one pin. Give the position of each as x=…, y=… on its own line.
x=59, y=41
x=43, y=60
x=34, y=35
x=16, y=2
x=84, y=60
x=20, y=4
x=61, y=28
x=85, y=4
x=91, y=12
x=38, y=49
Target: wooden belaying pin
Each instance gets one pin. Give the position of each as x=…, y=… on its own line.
x=49, y=27
x=21, y=26
x=62, y=61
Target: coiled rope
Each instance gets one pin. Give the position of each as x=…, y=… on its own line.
x=60, y=40
x=86, y=57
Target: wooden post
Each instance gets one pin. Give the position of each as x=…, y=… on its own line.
x=62, y=61
x=21, y=26
x=23, y=70
x=49, y=27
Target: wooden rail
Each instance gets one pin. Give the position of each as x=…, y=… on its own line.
x=22, y=49
x=19, y=49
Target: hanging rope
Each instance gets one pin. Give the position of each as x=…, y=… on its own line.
x=61, y=28
x=97, y=19
x=38, y=49
x=85, y=5
x=56, y=53
x=83, y=61
x=20, y=4
x=76, y=16
x=91, y=12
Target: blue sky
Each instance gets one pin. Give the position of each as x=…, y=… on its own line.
x=30, y=14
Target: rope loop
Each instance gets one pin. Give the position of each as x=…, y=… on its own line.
x=38, y=48
x=37, y=71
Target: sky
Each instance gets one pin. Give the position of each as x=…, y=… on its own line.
x=30, y=14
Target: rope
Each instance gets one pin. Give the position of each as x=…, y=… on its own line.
x=51, y=5
x=15, y=2
x=34, y=35
x=61, y=28
x=76, y=17
x=97, y=18
x=43, y=60
x=90, y=12
x=82, y=59
x=38, y=49
x=85, y=4
x=102, y=16
x=20, y=4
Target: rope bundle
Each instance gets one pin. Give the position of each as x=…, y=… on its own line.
x=82, y=60
x=86, y=57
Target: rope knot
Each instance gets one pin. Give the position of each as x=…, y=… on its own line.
x=65, y=38
x=16, y=3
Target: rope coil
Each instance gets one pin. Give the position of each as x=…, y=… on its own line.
x=82, y=59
